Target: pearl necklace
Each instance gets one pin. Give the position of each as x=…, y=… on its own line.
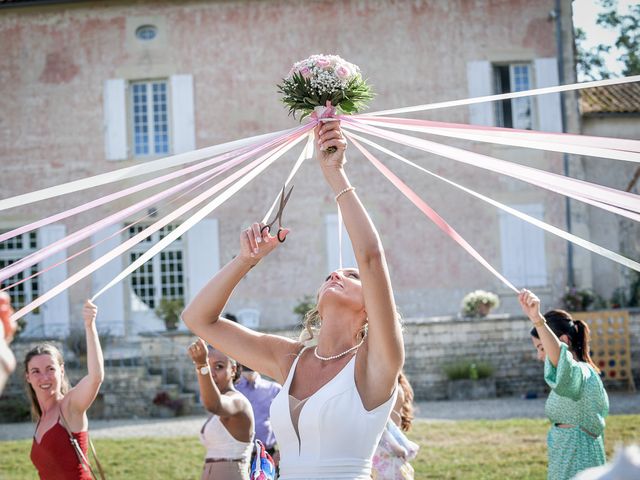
x=333, y=357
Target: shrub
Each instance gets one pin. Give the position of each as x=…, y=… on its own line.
x=468, y=370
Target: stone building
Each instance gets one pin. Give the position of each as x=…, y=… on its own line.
x=80, y=83
x=75, y=73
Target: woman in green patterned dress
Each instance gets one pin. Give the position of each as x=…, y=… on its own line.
x=578, y=402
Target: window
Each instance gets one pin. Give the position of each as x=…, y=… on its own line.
x=150, y=118
x=517, y=112
x=147, y=119
x=163, y=275
x=12, y=250
x=524, y=260
x=146, y=32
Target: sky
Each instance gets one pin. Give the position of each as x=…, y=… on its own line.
x=585, y=13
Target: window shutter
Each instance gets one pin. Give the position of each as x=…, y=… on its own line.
x=549, y=111
x=182, y=114
x=479, y=80
x=333, y=252
x=115, y=119
x=202, y=255
x=55, y=312
x=111, y=314
x=523, y=251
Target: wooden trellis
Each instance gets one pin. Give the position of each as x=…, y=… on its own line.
x=610, y=343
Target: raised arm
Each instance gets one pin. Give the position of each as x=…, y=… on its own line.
x=214, y=401
x=267, y=354
x=385, y=353
x=530, y=304
x=84, y=393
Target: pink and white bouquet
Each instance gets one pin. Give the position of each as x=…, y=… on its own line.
x=324, y=81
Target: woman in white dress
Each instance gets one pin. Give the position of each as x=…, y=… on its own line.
x=228, y=432
x=337, y=396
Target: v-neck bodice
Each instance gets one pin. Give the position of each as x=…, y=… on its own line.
x=336, y=436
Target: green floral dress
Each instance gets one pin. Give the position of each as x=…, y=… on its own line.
x=577, y=398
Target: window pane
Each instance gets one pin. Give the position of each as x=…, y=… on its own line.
x=140, y=124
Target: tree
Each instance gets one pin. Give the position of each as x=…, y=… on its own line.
x=591, y=63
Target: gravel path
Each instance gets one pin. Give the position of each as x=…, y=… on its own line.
x=492, y=409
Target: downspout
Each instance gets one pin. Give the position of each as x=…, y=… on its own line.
x=565, y=156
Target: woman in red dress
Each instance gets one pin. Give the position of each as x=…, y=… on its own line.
x=60, y=409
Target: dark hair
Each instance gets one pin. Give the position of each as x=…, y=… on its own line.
x=406, y=412
x=43, y=349
x=561, y=323
x=238, y=372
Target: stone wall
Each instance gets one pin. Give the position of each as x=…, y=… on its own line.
x=430, y=344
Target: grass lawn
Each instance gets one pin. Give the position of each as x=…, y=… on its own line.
x=475, y=449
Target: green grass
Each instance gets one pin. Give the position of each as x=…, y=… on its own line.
x=472, y=449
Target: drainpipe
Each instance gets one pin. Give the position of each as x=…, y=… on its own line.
x=565, y=156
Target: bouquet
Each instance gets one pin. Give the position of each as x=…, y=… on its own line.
x=324, y=84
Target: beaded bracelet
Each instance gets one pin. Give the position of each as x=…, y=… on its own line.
x=346, y=190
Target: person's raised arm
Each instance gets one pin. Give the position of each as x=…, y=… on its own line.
x=214, y=401
x=385, y=354
x=530, y=304
x=268, y=354
x=84, y=393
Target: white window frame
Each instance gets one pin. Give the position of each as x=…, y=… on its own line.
x=176, y=247
x=30, y=288
x=523, y=249
x=150, y=114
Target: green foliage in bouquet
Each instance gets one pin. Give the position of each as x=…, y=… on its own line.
x=320, y=79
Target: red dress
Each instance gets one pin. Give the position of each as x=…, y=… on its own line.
x=55, y=458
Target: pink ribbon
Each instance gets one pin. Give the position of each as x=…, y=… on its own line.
x=75, y=237
x=126, y=245
x=622, y=203
x=431, y=214
x=618, y=149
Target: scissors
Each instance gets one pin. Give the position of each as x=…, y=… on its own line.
x=283, y=201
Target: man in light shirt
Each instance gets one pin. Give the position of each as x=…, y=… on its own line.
x=260, y=393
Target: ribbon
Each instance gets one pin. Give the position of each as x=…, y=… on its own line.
x=140, y=169
x=507, y=96
x=307, y=152
x=250, y=171
x=622, y=203
x=530, y=139
x=431, y=214
x=150, y=183
x=75, y=237
x=527, y=218
x=203, y=212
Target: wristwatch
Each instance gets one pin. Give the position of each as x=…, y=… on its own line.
x=203, y=369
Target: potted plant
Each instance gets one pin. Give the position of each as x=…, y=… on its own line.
x=169, y=310
x=479, y=303
x=470, y=380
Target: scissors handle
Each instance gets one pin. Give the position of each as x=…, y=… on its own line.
x=280, y=230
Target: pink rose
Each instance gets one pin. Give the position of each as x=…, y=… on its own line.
x=305, y=72
x=342, y=72
x=322, y=62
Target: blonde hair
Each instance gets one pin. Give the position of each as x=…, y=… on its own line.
x=53, y=352
x=406, y=410
x=312, y=322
